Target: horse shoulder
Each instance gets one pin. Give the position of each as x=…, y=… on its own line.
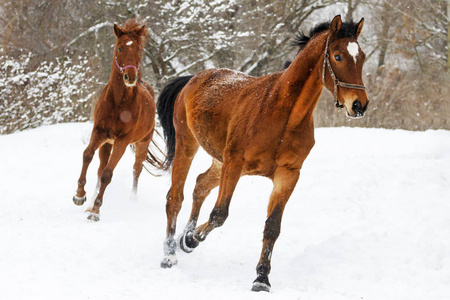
x=104, y=105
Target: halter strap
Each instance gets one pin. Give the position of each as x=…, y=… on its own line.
x=121, y=69
x=336, y=82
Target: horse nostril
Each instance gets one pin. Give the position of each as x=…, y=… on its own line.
x=126, y=77
x=357, y=107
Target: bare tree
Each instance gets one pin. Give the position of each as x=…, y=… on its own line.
x=71, y=42
x=387, y=20
x=448, y=36
x=273, y=25
x=422, y=32
x=190, y=35
x=352, y=5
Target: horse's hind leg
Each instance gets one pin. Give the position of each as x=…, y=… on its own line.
x=119, y=148
x=230, y=174
x=96, y=140
x=185, y=150
x=205, y=183
x=141, y=149
x=284, y=182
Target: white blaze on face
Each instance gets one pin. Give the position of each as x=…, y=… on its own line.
x=353, y=50
x=129, y=43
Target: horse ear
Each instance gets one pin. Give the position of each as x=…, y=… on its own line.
x=359, y=27
x=141, y=30
x=335, y=25
x=118, y=31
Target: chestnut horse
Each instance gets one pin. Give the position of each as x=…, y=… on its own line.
x=124, y=114
x=254, y=126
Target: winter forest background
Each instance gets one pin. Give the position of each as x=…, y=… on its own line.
x=56, y=55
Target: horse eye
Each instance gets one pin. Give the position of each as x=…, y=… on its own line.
x=119, y=49
x=338, y=58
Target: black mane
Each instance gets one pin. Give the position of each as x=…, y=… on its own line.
x=348, y=30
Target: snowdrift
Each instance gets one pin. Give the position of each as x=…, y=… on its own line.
x=369, y=219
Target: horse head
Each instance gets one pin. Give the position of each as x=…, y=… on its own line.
x=128, y=50
x=342, y=67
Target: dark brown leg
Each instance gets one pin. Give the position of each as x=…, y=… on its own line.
x=205, y=183
x=230, y=174
x=96, y=141
x=185, y=150
x=284, y=182
x=119, y=148
x=141, y=155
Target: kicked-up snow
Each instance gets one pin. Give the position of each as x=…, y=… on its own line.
x=369, y=219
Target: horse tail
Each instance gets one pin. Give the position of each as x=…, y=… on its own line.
x=164, y=107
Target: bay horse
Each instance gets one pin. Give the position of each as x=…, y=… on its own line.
x=254, y=126
x=124, y=114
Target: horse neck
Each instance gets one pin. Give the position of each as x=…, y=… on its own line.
x=302, y=80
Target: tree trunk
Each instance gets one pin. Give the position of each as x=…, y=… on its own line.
x=384, y=39
x=448, y=36
x=350, y=9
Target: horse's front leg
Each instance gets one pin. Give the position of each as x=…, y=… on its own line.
x=230, y=174
x=97, y=139
x=284, y=182
x=118, y=150
x=103, y=153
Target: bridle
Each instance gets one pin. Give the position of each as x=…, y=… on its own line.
x=122, y=69
x=337, y=82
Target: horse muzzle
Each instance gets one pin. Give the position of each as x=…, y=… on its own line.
x=129, y=79
x=357, y=110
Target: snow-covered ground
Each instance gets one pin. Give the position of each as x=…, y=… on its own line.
x=369, y=219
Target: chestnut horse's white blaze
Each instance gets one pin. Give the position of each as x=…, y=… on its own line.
x=353, y=50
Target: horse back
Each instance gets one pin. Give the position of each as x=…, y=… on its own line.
x=230, y=112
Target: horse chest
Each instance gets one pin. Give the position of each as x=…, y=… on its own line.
x=117, y=124
x=294, y=148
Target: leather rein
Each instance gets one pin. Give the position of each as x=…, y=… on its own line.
x=337, y=82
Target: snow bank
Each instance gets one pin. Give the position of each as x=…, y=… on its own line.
x=369, y=219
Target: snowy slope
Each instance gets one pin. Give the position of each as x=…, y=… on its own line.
x=369, y=219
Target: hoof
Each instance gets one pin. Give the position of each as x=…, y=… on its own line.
x=93, y=217
x=261, y=284
x=187, y=242
x=169, y=261
x=260, y=287
x=79, y=201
